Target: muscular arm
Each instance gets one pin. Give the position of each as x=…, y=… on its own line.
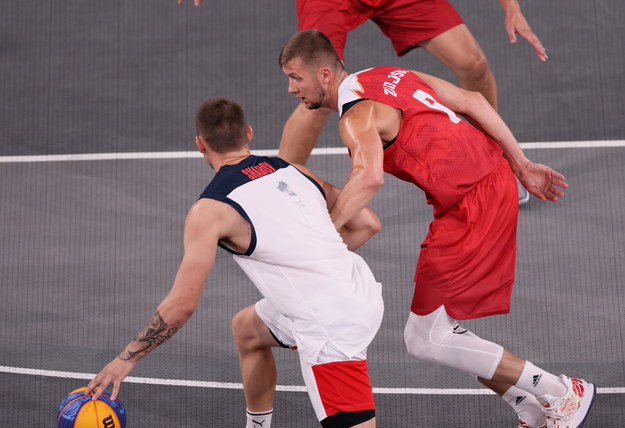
x=204, y=226
x=540, y=180
x=358, y=229
x=358, y=129
x=476, y=109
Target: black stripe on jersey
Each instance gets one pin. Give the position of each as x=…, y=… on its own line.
x=315, y=182
x=229, y=177
x=351, y=104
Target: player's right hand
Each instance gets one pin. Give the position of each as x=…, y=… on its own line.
x=195, y=2
x=114, y=372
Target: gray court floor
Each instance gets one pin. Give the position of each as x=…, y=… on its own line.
x=88, y=248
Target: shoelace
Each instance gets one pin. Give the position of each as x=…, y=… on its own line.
x=565, y=411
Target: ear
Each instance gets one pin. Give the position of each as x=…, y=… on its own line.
x=325, y=74
x=249, y=133
x=201, y=144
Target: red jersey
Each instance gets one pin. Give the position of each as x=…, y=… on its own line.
x=434, y=149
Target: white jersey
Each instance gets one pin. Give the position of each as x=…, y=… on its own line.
x=297, y=259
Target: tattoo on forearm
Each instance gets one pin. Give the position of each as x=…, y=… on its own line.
x=154, y=333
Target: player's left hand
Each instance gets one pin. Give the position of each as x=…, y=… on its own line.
x=516, y=23
x=543, y=182
x=114, y=372
x=195, y=2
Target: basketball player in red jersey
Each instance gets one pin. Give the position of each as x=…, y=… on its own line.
x=433, y=25
x=405, y=123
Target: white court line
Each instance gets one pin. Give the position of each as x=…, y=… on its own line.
x=288, y=388
x=292, y=388
x=318, y=151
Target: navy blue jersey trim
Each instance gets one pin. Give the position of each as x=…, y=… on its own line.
x=243, y=214
x=313, y=181
x=229, y=177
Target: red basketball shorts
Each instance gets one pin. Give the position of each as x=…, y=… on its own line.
x=405, y=22
x=335, y=382
x=467, y=259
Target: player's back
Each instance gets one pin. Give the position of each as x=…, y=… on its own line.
x=434, y=149
x=297, y=259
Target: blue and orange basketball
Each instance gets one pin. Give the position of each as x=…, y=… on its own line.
x=78, y=410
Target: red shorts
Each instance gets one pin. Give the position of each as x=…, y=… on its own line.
x=405, y=22
x=468, y=257
x=343, y=386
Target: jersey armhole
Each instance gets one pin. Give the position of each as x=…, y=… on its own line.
x=313, y=181
x=351, y=104
x=243, y=214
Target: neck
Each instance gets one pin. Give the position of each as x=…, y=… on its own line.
x=333, y=92
x=217, y=160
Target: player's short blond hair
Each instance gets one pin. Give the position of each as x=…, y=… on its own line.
x=313, y=48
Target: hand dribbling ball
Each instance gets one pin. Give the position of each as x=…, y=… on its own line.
x=78, y=410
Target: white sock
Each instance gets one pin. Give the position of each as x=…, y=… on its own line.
x=526, y=406
x=258, y=419
x=538, y=382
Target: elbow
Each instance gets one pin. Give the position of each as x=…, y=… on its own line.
x=177, y=313
x=373, y=182
x=477, y=101
x=179, y=317
x=186, y=313
x=372, y=224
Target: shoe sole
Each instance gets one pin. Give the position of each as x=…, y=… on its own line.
x=584, y=408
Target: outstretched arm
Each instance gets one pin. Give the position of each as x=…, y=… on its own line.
x=516, y=23
x=358, y=229
x=540, y=180
x=200, y=246
x=195, y=2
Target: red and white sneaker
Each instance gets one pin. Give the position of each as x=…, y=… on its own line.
x=571, y=410
x=524, y=425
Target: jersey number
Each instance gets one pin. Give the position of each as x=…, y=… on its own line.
x=429, y=101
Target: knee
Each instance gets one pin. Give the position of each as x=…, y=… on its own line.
x=243, y=331
x=424, y=341
x=473, y=68
x=416, y=343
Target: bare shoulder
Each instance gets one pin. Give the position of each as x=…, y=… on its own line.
x=327, y=187
x=370, y=120
x=436, y=83
x=358, y=118
x=304, y=170
x=215, y=217
x=358, y=111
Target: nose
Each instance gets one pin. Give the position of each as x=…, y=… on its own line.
x=292, y=89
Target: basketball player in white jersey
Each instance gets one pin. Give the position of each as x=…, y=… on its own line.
x=319, y=297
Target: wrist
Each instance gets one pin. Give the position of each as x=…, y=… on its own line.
x=518, y=165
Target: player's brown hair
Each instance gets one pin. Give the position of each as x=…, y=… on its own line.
x=313, y=48
x=221, y=123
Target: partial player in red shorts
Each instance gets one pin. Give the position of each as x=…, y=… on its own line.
x=433, y=25
x=407, y=124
